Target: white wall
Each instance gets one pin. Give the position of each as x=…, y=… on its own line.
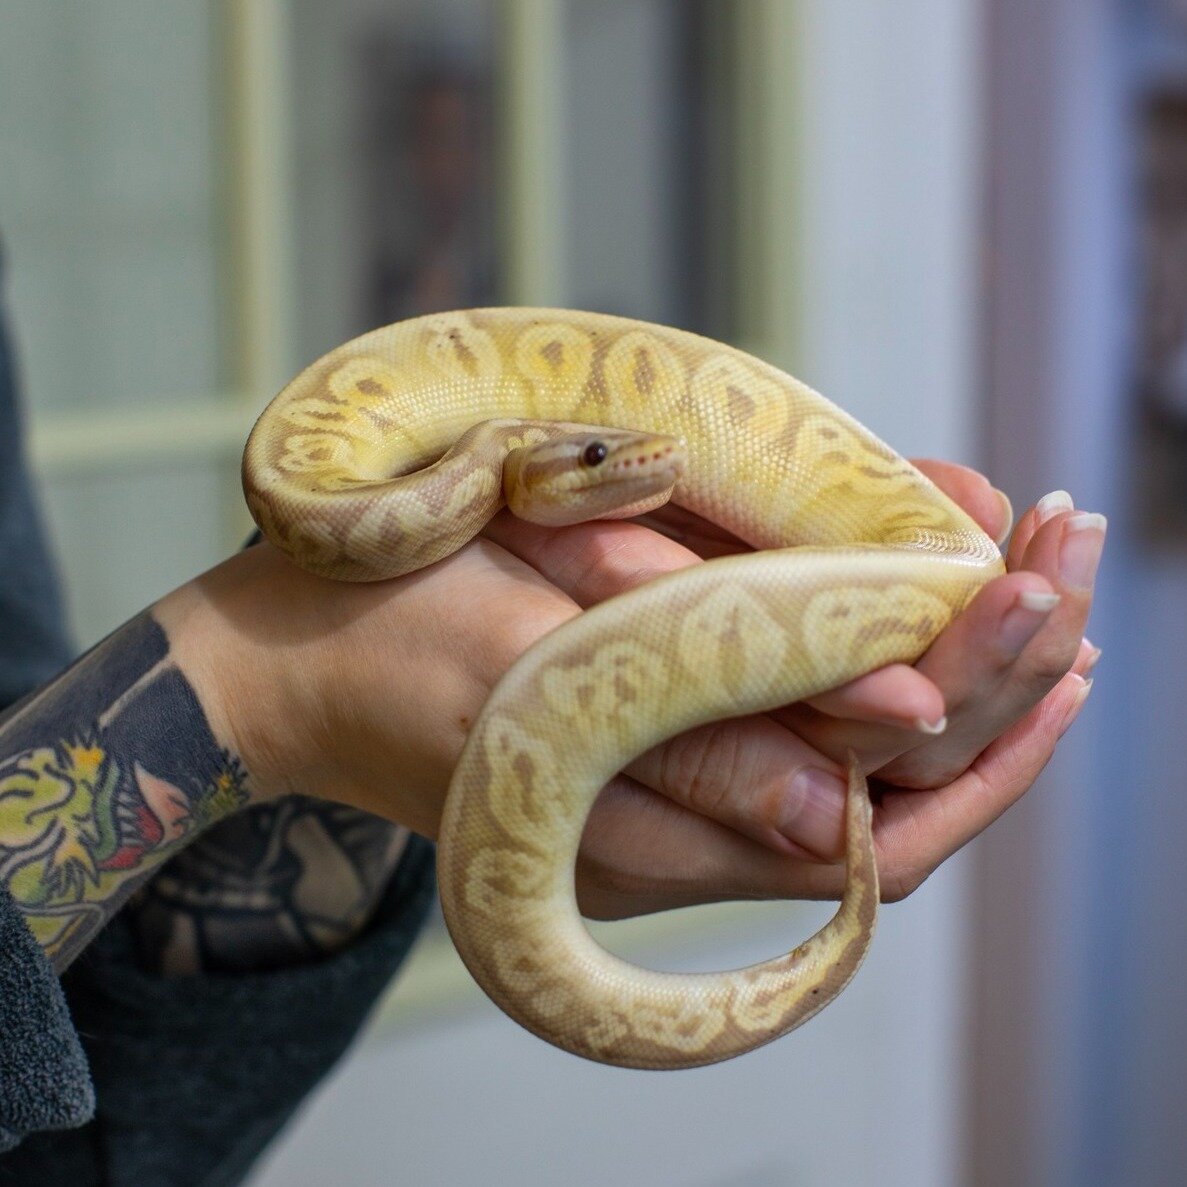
x=888, y=202
x=1083, y=934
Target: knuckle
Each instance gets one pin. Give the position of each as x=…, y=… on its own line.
x=619, y=560
x=600, y=883
x=600, y=556
x=700, y=767
x=899, y=880
x=904, y=863
x=1050, y=661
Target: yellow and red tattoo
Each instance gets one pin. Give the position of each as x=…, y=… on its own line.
x=103, y=774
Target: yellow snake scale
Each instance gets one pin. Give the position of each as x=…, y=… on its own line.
x=861, y=562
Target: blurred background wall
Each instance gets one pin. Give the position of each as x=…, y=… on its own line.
x=1080, y=953
x=959, y=218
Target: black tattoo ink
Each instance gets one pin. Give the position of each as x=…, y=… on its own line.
x=277, y=885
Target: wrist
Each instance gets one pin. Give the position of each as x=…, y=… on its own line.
x=273, y=655
x=243, y=692
x=105, y=773
x=353, y=693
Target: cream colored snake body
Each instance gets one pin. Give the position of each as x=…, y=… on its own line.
x=862, y=563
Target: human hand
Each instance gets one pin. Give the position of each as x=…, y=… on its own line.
x=1013, y=676
x=1008, y=677
x=364, y=694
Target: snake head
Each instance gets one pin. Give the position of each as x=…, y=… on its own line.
x=592, y=474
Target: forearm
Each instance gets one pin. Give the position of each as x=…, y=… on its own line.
x=277, y=885
x=105, y=773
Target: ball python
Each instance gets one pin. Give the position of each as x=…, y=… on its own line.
x=395, y=449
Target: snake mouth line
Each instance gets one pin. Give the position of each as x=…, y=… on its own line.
x=640, y=481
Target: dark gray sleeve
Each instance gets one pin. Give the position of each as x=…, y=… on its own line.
x=44, y=1083
x=195, y=1075
x=43, y=1075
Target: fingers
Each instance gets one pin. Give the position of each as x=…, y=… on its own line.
x=1013, y=644
x=989, y=506
x=986, y=684
x=961, y=685
x=756, y=777
x=753, y=775
x=1047, y=508
x=591, y=561
x=641, y=853
x=897, y=696
x=917, y=832
x=754, y=793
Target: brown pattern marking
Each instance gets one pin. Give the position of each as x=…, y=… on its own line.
x=553, y=353
x=741, y=405
x=465, y=356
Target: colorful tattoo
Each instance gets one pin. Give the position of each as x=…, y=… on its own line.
x=103, y=775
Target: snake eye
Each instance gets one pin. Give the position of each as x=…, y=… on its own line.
x=594, y=453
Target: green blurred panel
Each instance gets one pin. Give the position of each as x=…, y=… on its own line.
x=109, y=198
x=124, y=539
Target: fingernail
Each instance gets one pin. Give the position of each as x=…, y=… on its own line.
x=811, y=809
x=1077, y=704
x=1023, y=619
x=1094, y=654
x=1040, y=603
x=1079, y=555
x=1053, y=504
x=931, y=727
x=1007, y=516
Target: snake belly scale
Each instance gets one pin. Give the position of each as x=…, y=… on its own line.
x=860, y=562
